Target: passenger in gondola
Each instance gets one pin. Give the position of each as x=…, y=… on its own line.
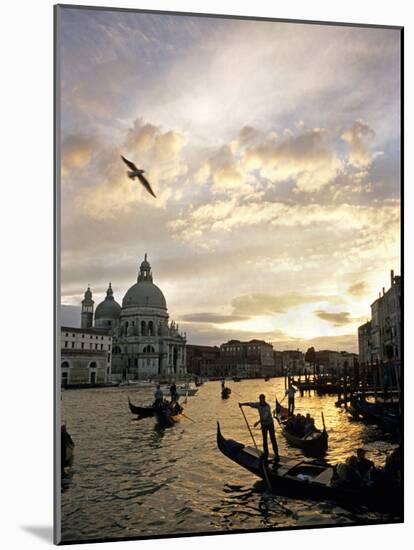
x=346, y=474
x=159, y=397
x=173, y=392
x=364, y=465
x=290, y=393
x=392, y=469
x=267, y=425
x=309, y=426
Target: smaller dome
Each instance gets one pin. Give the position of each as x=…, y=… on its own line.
x=109, y=308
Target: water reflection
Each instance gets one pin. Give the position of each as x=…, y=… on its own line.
x=132, y=478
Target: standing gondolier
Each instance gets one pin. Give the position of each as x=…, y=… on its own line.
x=267, y=425
x=290, y=392
x=173, y=392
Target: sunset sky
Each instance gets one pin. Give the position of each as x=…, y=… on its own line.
x=274, y=152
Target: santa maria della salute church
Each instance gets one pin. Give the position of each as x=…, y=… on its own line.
x=144, y=343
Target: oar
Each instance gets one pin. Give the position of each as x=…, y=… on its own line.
x=188, y=418
x=248, y=427
x=323, y=421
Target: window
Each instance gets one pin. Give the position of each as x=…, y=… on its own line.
x=73, y=335
x=73, y=345
x=82, y=345
x=96, y=346
x=83, y=336
x=66, y=344
x=90, y=346
x=66, y=334
x=101, y=346
x=109, y=358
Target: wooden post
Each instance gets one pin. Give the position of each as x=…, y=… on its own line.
x=375, y=380
x=381, y=377
x=397, y=380
x=345, y=385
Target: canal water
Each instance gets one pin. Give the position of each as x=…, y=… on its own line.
x=130, y=479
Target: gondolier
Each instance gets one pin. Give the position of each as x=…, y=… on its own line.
x=267, y=425
x=290, y=392
x=158, y=396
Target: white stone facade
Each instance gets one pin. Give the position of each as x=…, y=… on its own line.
x=86, y=356
x=145, y=343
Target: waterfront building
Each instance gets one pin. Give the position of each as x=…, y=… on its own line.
x=202, y=360
x=330, y=361
x=86, y=355
x=293, y=361
x=365, y=343
x=247, y=359
x=380, y=340
x=146, y=344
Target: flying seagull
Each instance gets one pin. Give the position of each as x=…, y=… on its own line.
x=137, y=173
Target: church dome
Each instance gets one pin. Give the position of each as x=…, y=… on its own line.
x=109, y=308
x=144, y=293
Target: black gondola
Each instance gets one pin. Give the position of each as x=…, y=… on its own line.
x=167, y=414
x=314, y=444
x=142, y=412
x=309, y=480
x=385, y=415
x=225, y=393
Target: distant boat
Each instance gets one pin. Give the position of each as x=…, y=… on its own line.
x=141, y=412
x=182, y=390
x=166, y=415
x=236, y=379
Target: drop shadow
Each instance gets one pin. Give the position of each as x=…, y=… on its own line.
x=43, y=532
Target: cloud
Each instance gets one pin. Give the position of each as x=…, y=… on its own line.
x=70, y=316
x=337, y=319
x=358, y=289
x=358, y=136
x=76, y=152
x=213, y=318
x=267, y=304
x=306, y=158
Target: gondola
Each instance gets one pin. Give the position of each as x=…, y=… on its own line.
x=384, y=415
x=314, y=444
x=167, y=417
x=308, y=479
x=67, y=448
x=236, y=379
x=267, y=378
x=142, y=412
x=225, y=393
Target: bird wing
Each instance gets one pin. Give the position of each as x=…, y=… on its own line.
x=129, y=163
x=146, y=184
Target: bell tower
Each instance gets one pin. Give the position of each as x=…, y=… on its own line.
x=145, y=273
x=87, y=310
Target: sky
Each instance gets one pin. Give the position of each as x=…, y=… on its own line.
x=274, y=152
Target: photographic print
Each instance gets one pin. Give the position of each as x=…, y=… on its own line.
x=229, y=353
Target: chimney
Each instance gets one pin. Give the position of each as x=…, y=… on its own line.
x=392, y=277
